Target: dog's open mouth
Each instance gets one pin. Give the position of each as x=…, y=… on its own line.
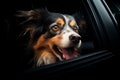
x=67, y=53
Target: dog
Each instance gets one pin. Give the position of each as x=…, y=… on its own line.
x=53, y=36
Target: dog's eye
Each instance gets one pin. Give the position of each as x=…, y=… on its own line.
x=75, y=29
x=55, y=28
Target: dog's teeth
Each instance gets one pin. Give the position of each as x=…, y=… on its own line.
x=60, y=49
x=64, y=56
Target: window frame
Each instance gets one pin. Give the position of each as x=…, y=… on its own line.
x=103, y=38
x=106, y=37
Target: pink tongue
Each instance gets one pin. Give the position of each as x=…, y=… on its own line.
x=67, y=54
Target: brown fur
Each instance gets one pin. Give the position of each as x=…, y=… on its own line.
x=42, y=46
x=72, y=23
x=60, y=21
x=44, y=50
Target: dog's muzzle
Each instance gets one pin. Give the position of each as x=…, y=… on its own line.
x=70, y=51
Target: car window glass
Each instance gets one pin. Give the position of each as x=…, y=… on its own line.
x=115, y=8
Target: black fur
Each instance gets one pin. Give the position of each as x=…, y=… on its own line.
x=34, y=24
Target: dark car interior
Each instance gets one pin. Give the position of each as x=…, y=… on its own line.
x=99, y=49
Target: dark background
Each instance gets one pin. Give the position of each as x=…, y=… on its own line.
x=9, y=33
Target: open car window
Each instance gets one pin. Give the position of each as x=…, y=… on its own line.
x=88, y=45
x=98, y=34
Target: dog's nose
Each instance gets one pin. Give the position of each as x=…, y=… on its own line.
x=74, y=39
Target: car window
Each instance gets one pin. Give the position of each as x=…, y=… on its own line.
x=26, y=57
x=86, y=33
x=115, y=8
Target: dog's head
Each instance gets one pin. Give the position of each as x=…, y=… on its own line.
x=61, y=31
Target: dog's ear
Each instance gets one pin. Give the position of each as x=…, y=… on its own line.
x=33, y=15
x=31, y=22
